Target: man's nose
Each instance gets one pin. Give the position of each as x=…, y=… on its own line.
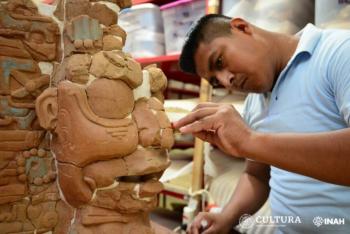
x=225, y=77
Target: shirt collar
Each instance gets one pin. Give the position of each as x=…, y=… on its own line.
x=308, y=40
x=309, y=37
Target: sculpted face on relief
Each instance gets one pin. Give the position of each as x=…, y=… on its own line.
x=110, y=148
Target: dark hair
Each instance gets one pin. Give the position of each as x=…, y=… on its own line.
x=205, y=30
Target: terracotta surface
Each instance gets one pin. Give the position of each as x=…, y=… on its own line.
x=80, y=152
x=28, y=191
x=158, y=81
x=116, y=65
x=112, y=99
x=153, y=124
x=77, y=68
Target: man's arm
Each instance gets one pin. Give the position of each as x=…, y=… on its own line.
x=251, y=192
x=324, y=156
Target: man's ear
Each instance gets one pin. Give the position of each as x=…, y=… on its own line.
x=47, y=108
x=241, y=25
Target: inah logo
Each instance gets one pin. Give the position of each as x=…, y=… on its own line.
x=318, y=221
x=334, y=221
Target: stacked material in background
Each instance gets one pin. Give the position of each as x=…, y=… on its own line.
x=275, y=15
x=144, y=26
x=178, y=17
x=332, y=13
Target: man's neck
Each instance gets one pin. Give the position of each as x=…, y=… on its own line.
x=285, y=46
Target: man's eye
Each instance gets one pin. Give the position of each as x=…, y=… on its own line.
x=214, y=82
x=219, y=63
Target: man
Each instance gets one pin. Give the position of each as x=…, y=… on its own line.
x=296, y=121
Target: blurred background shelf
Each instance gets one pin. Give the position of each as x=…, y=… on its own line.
x=157, y=2
x=158, y=59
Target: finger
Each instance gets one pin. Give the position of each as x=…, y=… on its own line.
x=208, y=136
x=203, y=124
x=188, y=229
x=205, y=105
x=193, y=229
x=194, y=116
x=197, y=222
x=210, y=230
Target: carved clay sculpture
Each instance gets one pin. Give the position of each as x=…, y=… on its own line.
x=109, y=132
x=29, y=44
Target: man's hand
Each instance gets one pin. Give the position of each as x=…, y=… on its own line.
x=218, y=124
x=215, y=223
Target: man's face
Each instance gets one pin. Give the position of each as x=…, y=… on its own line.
x=239, y=62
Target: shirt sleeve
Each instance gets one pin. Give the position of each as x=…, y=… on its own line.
x=339, y=72
x=246, y=108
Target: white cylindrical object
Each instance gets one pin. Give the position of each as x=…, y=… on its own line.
x=188, y=215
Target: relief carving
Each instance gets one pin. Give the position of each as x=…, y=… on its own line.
x=29, y=45
x=83, y=132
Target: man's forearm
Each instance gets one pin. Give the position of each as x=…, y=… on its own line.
x=249, y=195
x=324, y=156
